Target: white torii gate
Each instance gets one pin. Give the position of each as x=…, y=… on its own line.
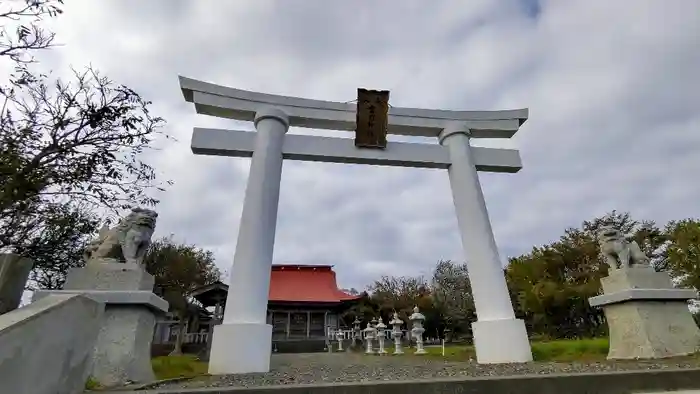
x=242, y=343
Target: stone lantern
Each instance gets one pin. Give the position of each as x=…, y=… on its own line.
x=356, y=331
x=417, y=329
x=396, y=333
x=381, y=335
x=339, y=335
x=369, y=336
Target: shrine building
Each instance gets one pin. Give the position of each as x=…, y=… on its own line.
x=304, y=303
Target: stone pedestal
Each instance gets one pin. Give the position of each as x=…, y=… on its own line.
x=107, y=275
x=123, y=348
x=14, y=272
x=647, y=317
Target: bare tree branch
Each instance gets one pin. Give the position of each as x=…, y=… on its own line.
x=20, y=35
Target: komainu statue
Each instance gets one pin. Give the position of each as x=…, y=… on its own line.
x=618, y=251
x=127, y=242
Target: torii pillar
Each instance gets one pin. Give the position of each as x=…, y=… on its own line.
x=242, y=343
x=498, y=336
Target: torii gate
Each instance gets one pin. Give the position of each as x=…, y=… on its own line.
x=242, y=343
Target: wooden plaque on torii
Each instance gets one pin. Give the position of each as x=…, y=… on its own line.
x=372, y=118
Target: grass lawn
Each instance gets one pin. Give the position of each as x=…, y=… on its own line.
x=185, y=366
x=167, y=367
x=578, y=350
x=560, y=350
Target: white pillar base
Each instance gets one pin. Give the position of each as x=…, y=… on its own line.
x=501, y=341
x=240, y=348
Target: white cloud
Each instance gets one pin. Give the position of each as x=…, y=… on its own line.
x=612, y=90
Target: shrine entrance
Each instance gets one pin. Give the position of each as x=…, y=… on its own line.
x=241, y=344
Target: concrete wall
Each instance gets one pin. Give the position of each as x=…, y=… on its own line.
x=46, y=347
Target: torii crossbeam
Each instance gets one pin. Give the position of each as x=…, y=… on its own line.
x=218, y=142
x=242, y=343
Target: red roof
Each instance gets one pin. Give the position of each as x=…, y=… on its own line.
x=305, y=283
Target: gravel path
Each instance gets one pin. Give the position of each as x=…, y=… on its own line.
x=341, y=367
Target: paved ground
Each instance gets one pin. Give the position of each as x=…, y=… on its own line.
x=342, y=367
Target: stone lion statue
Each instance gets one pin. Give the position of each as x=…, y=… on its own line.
x=618, y=251
x=127, y=242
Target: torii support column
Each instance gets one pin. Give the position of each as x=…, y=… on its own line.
x=243, y=342
x=498, y=336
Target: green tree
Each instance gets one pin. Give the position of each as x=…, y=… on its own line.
x=178, y=269
x=682, y=252
x=363, y=309
x=401, y=294
x=63, y=234
x=551, y=284
x=452, y=295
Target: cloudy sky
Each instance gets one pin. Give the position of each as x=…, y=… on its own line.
x=612, y=86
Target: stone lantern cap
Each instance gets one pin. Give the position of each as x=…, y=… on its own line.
x=395, y=320
x=417, y=315
x=381, y=325
x=369, y=329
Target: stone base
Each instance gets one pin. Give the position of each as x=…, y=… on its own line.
x=651, y=329
x=122, y=352
x=240, y=348
x=646, y=321
x=107, y=275
x=501, y=341
x=635, y=278
x=123, y=348
x=118, y=297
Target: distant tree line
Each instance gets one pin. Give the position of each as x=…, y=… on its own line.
x=549, y=286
